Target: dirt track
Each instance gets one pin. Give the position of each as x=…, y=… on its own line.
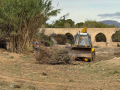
x=24, y=74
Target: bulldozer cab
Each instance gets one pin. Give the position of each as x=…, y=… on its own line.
x=82, y=40
x=81, y=47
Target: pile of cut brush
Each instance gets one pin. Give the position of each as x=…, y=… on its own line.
x=52, y=55
x=63, y=39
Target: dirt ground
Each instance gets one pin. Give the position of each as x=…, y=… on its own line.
x=20, y=72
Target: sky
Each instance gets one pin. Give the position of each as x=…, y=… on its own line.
x=82, y=10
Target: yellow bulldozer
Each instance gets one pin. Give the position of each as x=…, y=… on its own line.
x=81, y=47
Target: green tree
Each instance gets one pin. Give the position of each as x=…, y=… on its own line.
x=24, y=17
x=66, y=25
x=70, y=22
x=95, y=24
x=64, y=16
x=61, y=23
x=79, y=25
x=100, y=37
x=116, y=37
x=47, y=25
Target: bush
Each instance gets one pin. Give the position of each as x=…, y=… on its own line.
x=44, y=74
x=69, y=37
x=44, y=55
x=45, y=39
x=61, y=39
x=95, y=46
x=66, y=25
x=11, y=57
x=100, y=37
x=118, y=45
x=115, y=72
x=17, y=86
x=52, y=56
x=116, y=37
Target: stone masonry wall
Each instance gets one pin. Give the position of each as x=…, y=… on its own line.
x=108, y=32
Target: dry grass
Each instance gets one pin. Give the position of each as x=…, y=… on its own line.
x=24, y=74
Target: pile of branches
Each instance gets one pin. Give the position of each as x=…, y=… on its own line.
x=52, y=56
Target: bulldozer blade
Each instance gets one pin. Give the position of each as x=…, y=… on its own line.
x=78, y=52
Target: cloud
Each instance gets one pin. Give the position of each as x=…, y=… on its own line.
x=80, y=10
x=115, y=15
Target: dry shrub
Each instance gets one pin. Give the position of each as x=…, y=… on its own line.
x=60, y=57
x=17, y=86
x=42, y=42
x=52, y=56
x=69, y=36
x=117, y=53
x=61, y=39
x=44, y=55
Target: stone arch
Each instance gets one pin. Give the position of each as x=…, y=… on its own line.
x=69, y=36
x=100, y=37
x=116, y=37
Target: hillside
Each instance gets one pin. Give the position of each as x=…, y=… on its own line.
x=111, y=22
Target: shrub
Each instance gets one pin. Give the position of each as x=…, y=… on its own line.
x=115, y=72
x=100, y=37
x=44, y=74
x=52, y=56
x=11, y=57
x=95, y=46
x=45, y=39
x=17, y=86
x=118, y=45
x=61, y=39
x=67, y=59
x=116, y=37
x=69, y=37
x=66, y=25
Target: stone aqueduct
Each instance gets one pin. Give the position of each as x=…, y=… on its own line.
x=108, y=32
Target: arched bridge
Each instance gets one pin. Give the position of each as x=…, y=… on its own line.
x=108, y=32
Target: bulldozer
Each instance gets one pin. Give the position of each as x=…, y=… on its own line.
x=81, y=47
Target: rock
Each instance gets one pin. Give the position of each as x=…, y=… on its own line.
x=54, y=41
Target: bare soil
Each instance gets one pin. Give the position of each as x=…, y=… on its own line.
x=20, y=72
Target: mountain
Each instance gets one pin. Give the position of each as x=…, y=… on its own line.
x=111, y=22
